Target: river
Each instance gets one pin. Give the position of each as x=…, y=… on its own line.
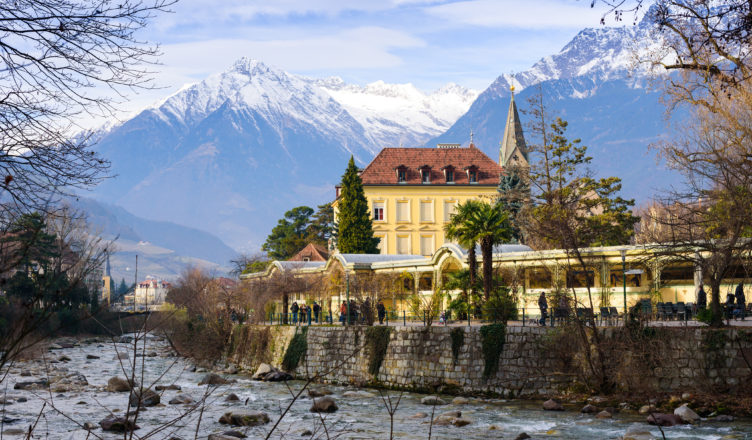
x=62, y=408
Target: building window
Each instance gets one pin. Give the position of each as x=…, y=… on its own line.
x=425, y=175
x=449, y=175
x=472, y=176
x=403, y=244
x=403, y=211
x=449, y=210
x=378, y=211
x=426, y=211
x=426, y=245
x=401, y=174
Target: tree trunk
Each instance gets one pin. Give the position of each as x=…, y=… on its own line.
x=716, y=310
x=472, y=263
x=486, y=248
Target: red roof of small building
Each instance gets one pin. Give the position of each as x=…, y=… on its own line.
x=312, y=252
x=383, y=168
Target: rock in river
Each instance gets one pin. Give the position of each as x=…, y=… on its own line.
x=687, y=414
x=118, y=385
x=117, y=424
x=432, y=400
x=31, y=385
x=245, y=418
x=552, y=405
x=143, y=397
x=589, y=409
x=167, y=387
x=214, y=379
x=661, y=419
x=181, y=399
x=325, y=405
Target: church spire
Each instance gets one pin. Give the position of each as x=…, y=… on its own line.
x=513, y=149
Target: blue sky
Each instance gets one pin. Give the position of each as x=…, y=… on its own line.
x=427, y=43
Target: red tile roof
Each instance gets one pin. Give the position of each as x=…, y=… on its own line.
x=313, y=252
x=382, y=169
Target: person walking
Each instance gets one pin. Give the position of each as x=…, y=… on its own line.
x=303, y=313
x=316, y=311
x=343, y=313
x=294, y=309
x=381, y=311
x=702, y=298
x=741, y=301
x=543, y=306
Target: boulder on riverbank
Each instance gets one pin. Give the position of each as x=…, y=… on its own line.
x=118, y=385
x=589, y=409
x=637, y=431
x=267, y=373
x=324, y=405
x=245, y=418
x=117, y=424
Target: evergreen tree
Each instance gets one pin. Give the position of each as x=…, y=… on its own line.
x=355, y=228
x=514, y=192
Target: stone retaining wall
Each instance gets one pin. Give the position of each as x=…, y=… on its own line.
x=533, y=360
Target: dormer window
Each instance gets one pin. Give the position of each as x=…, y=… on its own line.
x=401, y=174
x=472, y=174
x=448, y=173
x=425, y=174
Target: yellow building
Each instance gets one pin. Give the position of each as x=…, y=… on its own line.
x=412, y=192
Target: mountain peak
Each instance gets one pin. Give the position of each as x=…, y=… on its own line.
x=250, y=66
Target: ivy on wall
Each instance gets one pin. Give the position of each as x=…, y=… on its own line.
x=377, y=341
x=492, y=341
x=458, y=339
x=296, y=350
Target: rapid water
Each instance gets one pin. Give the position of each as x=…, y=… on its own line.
x=361, y=415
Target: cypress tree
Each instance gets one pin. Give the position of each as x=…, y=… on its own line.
x=355, y=228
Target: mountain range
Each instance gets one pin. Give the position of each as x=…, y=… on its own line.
x=230, y=154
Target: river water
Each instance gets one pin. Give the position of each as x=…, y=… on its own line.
x=62, y=409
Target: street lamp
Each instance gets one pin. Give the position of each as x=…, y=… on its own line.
x=624, y=278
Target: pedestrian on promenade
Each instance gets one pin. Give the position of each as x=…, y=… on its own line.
x=343, y=313
x=741, y=301
x=702, y=298
x=730, y=300
x=543, y=306
x=303, y=313
x=316, y=311
x=381, y=311
x=294, y=309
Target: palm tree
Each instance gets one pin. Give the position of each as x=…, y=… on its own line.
x=490, y=225
x=459, y=230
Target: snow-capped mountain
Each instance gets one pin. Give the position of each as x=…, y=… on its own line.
x=232, y=153
x=595, y=83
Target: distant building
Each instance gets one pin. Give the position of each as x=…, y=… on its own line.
x=312, y=252
x=107, y=283
x=150, y=293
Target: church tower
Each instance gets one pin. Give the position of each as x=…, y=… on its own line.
x=513, y=150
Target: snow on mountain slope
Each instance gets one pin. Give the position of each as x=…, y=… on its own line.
x=400, y=114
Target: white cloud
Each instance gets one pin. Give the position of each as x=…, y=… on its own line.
x=538, y=14
x=360, y=48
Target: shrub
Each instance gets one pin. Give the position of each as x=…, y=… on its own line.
x=500, y=306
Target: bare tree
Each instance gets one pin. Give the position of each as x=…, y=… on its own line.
x=53, y=55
